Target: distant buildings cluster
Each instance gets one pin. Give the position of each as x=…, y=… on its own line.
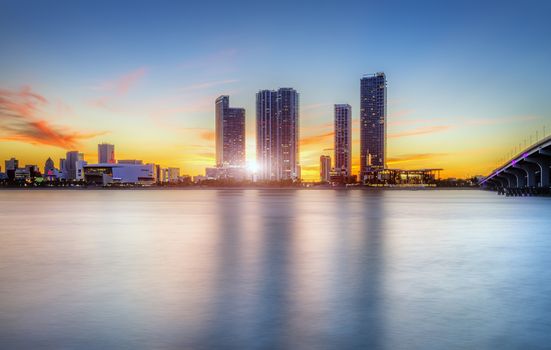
x=277, y=136
x=74, y=169
x=277, y=152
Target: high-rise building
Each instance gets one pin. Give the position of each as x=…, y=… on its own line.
x=266, y=135
x=71, y=160
x=325, y=168
x=230, y=134
x=373, y=123
x=343, y=139
x=288, y=140
x=277, y=134
x=11, y=164
x=49, y=166
x=106, y=153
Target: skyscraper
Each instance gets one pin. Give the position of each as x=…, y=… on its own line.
x=106, y=153
x=71, y=160
x=343, y=139
x=325, y=168
x=372, y=123
x=277, y=134
x=266, y=135
x=230, y=133
x=49, y=166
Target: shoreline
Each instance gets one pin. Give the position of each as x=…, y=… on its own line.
x=217, y=188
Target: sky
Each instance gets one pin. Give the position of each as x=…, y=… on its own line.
x=468, y=81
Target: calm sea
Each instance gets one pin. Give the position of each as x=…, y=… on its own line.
x=274, y=269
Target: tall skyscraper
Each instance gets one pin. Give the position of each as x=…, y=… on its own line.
x=266, y=135
x=325, y=168
x=288, y=119
x=106, y=153
x=343, y=139
x=71, y=160
x=373, y=123
x=230, y=134
x=277, y=134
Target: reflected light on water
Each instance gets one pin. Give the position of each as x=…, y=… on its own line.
x=274, y=269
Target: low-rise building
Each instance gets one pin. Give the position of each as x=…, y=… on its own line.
x=106, y=173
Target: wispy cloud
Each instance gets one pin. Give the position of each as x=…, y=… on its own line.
x=507, y=120
x=122, y=84
x=117, y=88
x=308, y=140
x=20, y=121
x=403, y=158
x=208, y=84
x=420, y=131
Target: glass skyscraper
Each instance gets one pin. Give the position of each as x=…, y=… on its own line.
x=230, y=134
x=277, y=134
x=343, y=139
x=373, y=123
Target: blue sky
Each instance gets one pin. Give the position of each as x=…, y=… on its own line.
x=466, y=80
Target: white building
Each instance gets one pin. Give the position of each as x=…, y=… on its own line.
x=107, y=173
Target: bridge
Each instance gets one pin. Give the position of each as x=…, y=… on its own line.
x=525, y=173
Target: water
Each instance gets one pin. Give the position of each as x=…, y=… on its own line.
x=274, y=269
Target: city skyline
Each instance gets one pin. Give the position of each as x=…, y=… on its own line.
x=453, y=100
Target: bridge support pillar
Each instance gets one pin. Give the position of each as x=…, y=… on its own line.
x=511, y=179
x=520, y=175
x=543, y=163
x=503, y=182
x=530, y=169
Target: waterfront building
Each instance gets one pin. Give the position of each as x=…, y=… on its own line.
x=71, y=159
x=325, y=168
x=11, y=164
x=49, y=166
x=106, y=153
x=277, y=134
x=173, y=174
x=343, y=139
x=130, y=161
x=372, y=123
x=226, y=173
x=105, y=174
x=266, y=135
x=230, y=133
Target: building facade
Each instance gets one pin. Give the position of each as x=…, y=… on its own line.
x=343, y=139
x=71, y=160
x=11, y=164
x=325, y=168
x=230, y=133
x=277, y=116
x=372, y=123
x=106, y=153
x=266, y=135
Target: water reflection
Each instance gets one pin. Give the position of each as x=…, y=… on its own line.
x=274, y=269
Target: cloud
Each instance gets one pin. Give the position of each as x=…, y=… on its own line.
x=413, y=157
x=208, y=135
x=420, y=131
x=493, y=121
x=208, y=84
x=308, y=140
x=19, y=121
x=122, y=84
x=117, y=87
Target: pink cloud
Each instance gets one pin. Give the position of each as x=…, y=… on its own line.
x=19, y=121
